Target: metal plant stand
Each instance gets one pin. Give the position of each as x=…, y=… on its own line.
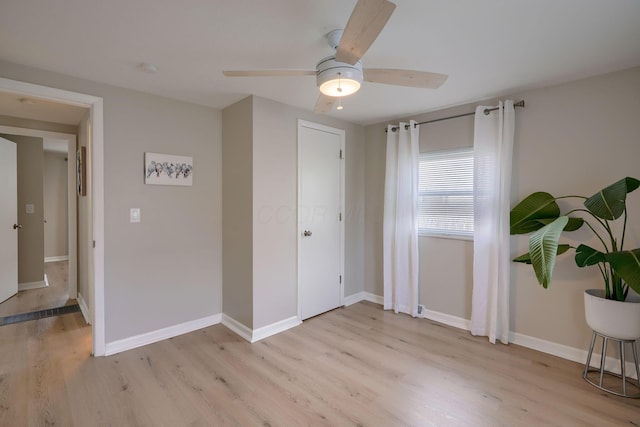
x=634, y=384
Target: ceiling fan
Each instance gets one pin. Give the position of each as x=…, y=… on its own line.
x=342, y=74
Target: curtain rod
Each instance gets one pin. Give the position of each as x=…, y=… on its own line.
x=486, y=112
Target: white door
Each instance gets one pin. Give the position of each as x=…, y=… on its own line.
x=320, y=225
x=8, y=220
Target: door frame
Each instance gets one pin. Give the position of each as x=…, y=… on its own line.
x=96, y=121
x=341, y=133
x=71, y=200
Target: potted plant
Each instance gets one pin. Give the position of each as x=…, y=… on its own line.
x=540, y=214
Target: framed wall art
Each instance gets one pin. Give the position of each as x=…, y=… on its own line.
x=167, y=169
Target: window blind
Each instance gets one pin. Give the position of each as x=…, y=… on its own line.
x=445, y=193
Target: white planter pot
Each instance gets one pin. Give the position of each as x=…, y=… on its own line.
x=615, y=319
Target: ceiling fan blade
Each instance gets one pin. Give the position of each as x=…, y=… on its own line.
x=410, y=78
x=324, y=104
x=268, y=73
x=367, y=21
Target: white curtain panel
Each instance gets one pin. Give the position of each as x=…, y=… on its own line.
x=400, y=229
x=493, y=154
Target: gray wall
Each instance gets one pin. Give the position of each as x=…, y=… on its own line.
x=572, y=138
x=237, y=211
x=274, y=206
x=274, y=211
x=56, y=239
x=275, y=187
x=167, y=269
x=30, y=191
x=374, y=170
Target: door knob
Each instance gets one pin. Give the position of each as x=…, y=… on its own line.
x=306, y=233
x=16, y=226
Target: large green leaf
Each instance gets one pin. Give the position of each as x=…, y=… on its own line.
x=536, y=206
x=586, y=255
x=526, y=258
x=543, y=247
x=609, y=203
x=572, y=225
x=627, y=265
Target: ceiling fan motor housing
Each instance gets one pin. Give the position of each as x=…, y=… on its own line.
x=336, y=78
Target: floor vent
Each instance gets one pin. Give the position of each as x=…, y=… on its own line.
x=40, y=314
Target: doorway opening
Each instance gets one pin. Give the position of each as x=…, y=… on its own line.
x=95, y=160
x=46, y=229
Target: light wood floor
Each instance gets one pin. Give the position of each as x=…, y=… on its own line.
x=55, y=295
x=355, y=366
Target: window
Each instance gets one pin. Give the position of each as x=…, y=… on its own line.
x=445, y=193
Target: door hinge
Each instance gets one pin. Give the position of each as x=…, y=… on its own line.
x=341, y=156
x=341, y=279
x=94, y=243
x=340, y=216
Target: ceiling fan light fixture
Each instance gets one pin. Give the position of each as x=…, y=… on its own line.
x=338, y=87
x=338, y=79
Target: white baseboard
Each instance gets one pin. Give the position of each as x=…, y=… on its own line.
x=172, y=331
x=612, y=364
x=376, y=299
x=253, y=335
x=237, y=327
x=161, y=334
x=84, y=308
x=33, y=285
x=274, y=328
x=560, y=350
x=447, y=319
x=363, y=296
x=353, y=299
x=56, y=258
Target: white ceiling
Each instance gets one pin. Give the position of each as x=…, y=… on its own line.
x=488, y=48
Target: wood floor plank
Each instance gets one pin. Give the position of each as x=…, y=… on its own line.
x=55, y=295
x=14, y=394
x=355, y=366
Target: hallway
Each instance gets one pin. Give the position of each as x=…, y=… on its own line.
x=54, y=295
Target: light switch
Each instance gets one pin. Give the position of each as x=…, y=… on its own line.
x=30, y=208
x=134, y=215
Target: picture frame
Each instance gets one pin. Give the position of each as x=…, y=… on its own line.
x=168, y=169
x=81, y=171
